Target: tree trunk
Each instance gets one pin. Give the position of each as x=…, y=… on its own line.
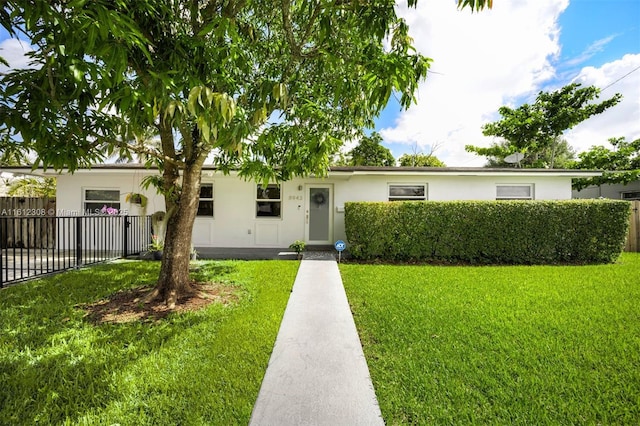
x=174, y=273
x=554, y=146
x=181, y=201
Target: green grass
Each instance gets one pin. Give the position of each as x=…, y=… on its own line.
x=194, y=368
x=501, y=345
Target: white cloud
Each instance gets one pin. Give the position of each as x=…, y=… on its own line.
x=595, y=47
x=484, y=60
x=14, y=52
x=622, y=76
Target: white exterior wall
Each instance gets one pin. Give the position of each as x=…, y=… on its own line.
x=448, y=188
x=235, y=223
x=443, y=188
x=70, y=202
x=613, y=191
x=70, y=190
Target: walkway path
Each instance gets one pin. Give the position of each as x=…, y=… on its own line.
x=317, y=374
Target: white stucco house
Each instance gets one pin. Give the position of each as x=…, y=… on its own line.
x=236, y=213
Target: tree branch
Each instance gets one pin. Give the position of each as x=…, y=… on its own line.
x=188, y=140
x=139, y=149
x=311, y=22
x=285, y=6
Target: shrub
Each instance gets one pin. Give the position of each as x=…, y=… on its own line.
x=298, y=246
x=502, y=232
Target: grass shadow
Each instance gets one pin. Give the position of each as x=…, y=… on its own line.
x=54, y=363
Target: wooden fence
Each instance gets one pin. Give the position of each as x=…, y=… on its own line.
x=38, y=233
x=633, y=239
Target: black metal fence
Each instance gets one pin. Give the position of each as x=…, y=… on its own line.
x=33, y=246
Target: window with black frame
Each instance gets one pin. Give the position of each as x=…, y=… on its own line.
x=268, y=201
x=205, y=205
x=407, y=192
x=631, y=196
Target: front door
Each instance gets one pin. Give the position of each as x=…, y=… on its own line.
x=319, y=214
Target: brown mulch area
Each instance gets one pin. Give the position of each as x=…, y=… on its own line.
x=132, y=305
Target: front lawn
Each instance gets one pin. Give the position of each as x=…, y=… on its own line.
x=501, y=345
x=193, y=368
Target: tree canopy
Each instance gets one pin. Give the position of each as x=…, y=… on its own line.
x=620, y=164
x=563, y=153
x=535, y=130
x=420, y=160
x=271, y=89
x=370, y=152
x=32, y=187
x=268, y=89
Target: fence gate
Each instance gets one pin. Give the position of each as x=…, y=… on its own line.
x=633, y=239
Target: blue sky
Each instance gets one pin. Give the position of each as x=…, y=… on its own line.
x=504, y=56
x=587, y=21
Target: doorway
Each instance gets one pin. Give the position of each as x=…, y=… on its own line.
x=319, y=214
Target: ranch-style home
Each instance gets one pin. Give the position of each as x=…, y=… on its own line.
x=236, y=213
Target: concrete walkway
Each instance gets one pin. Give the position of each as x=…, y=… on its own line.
x=317, y=374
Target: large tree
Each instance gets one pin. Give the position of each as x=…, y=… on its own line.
x=268, y=88
x=420, y=160
x=563, y=155
x=535, y=130
x=620, y=163
x=370, y=152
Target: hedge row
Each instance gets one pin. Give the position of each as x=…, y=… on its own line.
x=495, y=232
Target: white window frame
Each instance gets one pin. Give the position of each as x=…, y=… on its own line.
x=212, y=199
x=259, y=200
x=407, y=197
x=103, y=202
x=531, y=195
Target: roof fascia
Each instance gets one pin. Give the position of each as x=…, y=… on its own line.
x=493, y=173
x=340, y=173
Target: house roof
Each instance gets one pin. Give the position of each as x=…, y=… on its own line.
x=463, y=171
x=344, y=171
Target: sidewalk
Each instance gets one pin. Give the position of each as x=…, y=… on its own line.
x=317, y=374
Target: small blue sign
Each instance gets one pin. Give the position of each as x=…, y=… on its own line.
x=340, y=245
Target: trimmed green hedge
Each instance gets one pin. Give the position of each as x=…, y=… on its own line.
x=496, y=232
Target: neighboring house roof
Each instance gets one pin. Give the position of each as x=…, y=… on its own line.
x=346, y=171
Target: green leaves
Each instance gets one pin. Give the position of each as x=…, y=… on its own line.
x=106, y=71
x=475, y=4
x=210, y=111
x=202, y=98
x=535, y=130
x=420, y=160
x=505, y=232
x=370, y=152
x=621, y=164
x=62, y=108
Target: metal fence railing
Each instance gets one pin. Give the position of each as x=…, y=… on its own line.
x=39, y=245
